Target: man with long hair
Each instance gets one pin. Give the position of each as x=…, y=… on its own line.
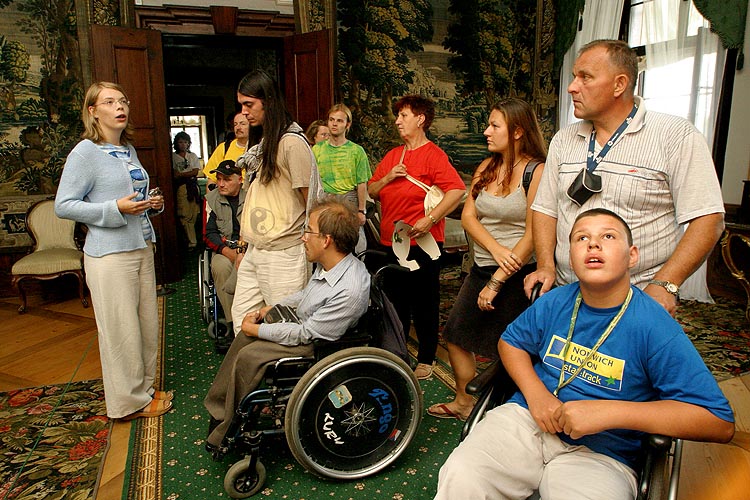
x=278, y=170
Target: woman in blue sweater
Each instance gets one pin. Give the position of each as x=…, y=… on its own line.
x=104, y=186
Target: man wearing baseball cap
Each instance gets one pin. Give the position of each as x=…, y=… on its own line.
x=222, y=223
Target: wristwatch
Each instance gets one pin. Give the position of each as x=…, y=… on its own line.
x=668, y=286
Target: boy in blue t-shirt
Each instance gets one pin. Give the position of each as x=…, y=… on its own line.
x=597, y=363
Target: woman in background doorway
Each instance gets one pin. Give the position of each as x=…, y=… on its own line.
x=185, y=168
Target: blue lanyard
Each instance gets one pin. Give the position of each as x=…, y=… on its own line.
x=593, y=162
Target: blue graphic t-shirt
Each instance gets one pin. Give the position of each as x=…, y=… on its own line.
x=647, y=357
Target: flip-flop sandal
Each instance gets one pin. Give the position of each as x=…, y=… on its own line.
x=163, y=395
x=440, y=410
x=155, y=408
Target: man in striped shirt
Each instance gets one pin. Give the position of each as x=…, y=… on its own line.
x=332, y=302
x=655, y=170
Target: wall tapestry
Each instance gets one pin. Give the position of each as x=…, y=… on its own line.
x=463, y=54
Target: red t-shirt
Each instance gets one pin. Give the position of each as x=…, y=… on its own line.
x=401, y=199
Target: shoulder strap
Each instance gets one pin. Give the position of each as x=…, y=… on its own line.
x=226, y=146
x=412, y=179
x=528, y=173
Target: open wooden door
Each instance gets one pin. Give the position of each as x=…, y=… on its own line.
x=133, y=58
x=308, y=75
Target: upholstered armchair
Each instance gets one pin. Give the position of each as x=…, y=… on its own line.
x=54, y=253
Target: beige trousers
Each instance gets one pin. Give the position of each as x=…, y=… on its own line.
x=187, y=211
x=123, y=292
x=225, y=279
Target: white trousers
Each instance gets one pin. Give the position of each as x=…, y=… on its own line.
x=267, y=276
x=507, y=456
x=123, y=292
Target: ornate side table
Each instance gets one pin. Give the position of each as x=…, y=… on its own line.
x=735, y=248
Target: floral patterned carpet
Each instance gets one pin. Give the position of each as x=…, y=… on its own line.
x=719, y=331
x=54, y=439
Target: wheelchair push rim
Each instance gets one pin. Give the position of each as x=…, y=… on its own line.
x=353, y=413
x=204, y=287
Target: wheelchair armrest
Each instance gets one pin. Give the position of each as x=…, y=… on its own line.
x=352, y=338
x=657, y=442
x=478, y=383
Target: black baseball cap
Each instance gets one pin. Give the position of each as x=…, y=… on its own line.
x=227, y=167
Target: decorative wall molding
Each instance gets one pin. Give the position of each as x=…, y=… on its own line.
x=198, y=21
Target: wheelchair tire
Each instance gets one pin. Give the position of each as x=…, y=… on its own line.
x=203, y=293
x=239, y=482
x=353, y=413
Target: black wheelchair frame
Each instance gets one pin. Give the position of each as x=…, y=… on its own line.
x=347, y=412
x=662, y=455
x=217, y=324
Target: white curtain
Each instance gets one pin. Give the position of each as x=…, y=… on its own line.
x=684, y=63
x=684, y=67
x=600, y=20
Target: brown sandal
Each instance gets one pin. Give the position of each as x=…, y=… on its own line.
x=155, y=408
x=163, y=395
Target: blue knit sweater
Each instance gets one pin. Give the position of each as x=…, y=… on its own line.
x=91, y=183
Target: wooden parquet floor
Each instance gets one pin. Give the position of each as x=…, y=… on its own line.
x=55, y=341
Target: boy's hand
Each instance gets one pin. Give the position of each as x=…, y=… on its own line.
x=543, y=409
x=582, y=418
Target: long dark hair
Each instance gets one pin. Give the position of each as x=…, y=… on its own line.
x=260, y=85
x=518, y=114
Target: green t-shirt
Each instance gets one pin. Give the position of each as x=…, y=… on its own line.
x=341, y=168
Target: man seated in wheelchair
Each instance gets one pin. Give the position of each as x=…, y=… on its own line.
x=224, y=211
x=598, y=363
x=331, y=303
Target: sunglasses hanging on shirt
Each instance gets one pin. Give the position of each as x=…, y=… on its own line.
x=587, y=183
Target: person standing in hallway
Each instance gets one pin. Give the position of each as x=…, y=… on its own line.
x=343, y=166
x=104, y=186
x=277, y=175
x=416, y=295
x=232, y=150
x=185, y=168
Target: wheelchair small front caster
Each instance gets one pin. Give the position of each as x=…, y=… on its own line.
x=241, y=482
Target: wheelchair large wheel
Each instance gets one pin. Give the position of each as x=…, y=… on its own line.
x=353, y=413
x=217, y=329
x=241, y=482
x=204, y=288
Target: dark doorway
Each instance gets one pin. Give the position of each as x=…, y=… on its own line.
x=201, y=73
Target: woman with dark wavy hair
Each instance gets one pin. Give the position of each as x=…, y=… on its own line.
x=497, y=216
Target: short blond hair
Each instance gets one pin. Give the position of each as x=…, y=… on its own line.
x=91, y=128
x=343, y=108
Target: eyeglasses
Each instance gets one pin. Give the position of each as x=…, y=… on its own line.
x=305, y=231
x=111, y=102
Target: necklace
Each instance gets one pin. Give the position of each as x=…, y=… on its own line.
x=500, y=178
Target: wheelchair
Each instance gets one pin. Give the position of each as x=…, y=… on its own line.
x=347, y=412
x=661, y=458
x=212, y=314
